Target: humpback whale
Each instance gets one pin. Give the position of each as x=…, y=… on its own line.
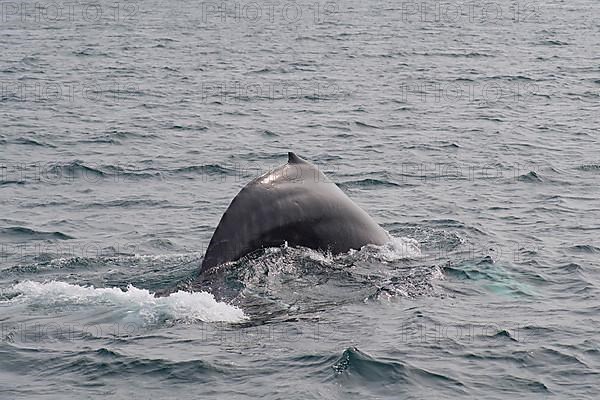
x=294, y=204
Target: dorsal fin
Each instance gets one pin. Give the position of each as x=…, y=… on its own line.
x=294, y=159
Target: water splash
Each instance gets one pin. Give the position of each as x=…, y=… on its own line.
x=396, y=249
x=179, y=306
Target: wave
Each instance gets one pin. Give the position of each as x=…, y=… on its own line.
x=208, y=169
x=180, y=306
x=93, y=365
x=269, y=133
x=552, y=42
x=585, y=248
x=58, y=172
x=589, y=167
x=105, y=363
x=11, y=182
x=368, y=182
x=21, y=233
x=366, y=125
x=358, y=367
x=531, y=176
x=31, y=142
x=180, y=127
x=128, y=203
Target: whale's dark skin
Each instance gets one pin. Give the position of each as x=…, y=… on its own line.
x=294, y=203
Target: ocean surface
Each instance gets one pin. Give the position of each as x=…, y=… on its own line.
x=468, y=130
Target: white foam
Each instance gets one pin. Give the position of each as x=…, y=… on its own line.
x=179, y=306
x=398, y=248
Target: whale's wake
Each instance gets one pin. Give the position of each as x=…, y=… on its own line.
x=139, y=304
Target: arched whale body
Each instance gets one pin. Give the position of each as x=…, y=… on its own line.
x=294, y=204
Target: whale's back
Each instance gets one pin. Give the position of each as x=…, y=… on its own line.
x=294, y=203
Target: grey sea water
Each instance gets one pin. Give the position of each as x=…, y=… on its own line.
x=468, y=130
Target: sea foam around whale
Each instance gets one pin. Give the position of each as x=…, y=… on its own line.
x=179, y=306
